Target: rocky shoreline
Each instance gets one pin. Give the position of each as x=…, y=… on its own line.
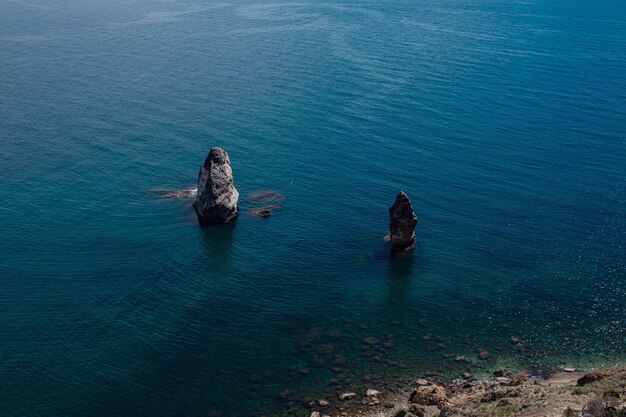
x=565, y=394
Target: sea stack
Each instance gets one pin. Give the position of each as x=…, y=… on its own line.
x=402, y=221
x=216, y=201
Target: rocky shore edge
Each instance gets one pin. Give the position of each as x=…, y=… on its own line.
x=570, y=393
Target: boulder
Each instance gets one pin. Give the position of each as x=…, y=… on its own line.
x=402, y=221
x=591, y=377
x=416, y=412
x=216, y=199
x=429, y=395
x=372, y=393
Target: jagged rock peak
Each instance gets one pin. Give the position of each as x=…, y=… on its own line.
x=216, y=200
x=402, y=222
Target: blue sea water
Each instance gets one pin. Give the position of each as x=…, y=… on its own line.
x=505, y=121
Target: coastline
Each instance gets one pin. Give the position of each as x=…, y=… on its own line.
x=566, y=393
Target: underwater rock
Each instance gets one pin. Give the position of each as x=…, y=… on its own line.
x=402, y=221
x=261, y=212
x=284, y=395
x=483, y=354
x=216, y=201
x=263, y=203
x=174, y=194
x=266, y=196
x=255, y=378
x=372, y=341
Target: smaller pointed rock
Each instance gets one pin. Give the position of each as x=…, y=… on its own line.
x=216, y=199
x=402, y=222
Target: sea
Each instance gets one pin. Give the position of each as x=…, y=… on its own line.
x=504, y=121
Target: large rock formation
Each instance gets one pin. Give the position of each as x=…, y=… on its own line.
x=216, y=201
x=402, y=221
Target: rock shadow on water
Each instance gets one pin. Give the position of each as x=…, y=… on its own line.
x=400, y=267
x=218, y=242
x=399, y=276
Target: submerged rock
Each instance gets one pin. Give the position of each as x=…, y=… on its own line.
x=284, y=395
x=402, y=221
x=263, y=203
x=371, y=340
x=216, y=201
x=514, y=340
x=266, y=196
x=255, y=378
x=483, y=354
x=174, y=194
x=262, y=212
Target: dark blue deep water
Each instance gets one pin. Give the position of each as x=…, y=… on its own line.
x=505, y=121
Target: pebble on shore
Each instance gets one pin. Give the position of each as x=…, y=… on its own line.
x=347, y=396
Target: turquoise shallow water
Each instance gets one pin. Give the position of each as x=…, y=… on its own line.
x=504, y=121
